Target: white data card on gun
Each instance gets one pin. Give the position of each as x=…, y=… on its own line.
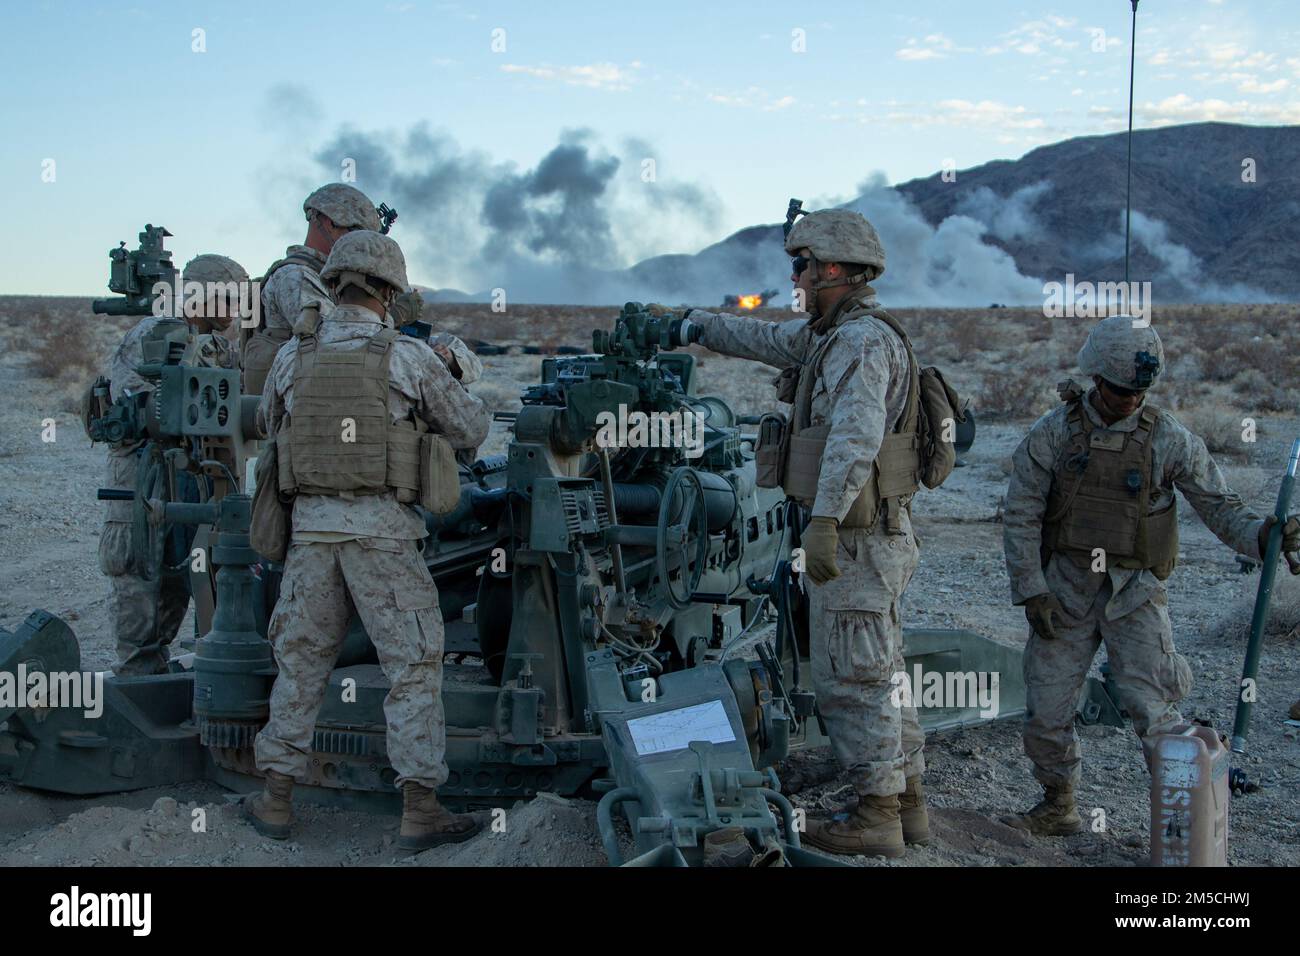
x=675, y=729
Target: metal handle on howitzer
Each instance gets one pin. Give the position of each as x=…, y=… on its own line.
x=1241, y=723
x=616, y=550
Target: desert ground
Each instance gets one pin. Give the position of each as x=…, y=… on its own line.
x=1225, y=364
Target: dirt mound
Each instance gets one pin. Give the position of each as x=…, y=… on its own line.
x=547, y=831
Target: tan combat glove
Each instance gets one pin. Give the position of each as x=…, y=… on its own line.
x=1038, y=612
x=406, y=308
x=448, y=358
x=820, y=539
x=1290, y=533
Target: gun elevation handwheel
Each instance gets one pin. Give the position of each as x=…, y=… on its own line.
x=682, y=513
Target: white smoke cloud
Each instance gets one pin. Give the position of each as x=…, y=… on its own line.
x=1008, y=218
x=945, y=265
x=1182, y=275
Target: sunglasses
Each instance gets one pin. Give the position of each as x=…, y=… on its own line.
x=799, y=264
x=1121, y=392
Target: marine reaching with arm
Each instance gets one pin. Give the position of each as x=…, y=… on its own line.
x=406, y=312
x=1091, y=534
x=849, y=372
x=339, y=400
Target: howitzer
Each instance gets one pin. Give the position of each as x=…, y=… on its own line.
x=606, y=586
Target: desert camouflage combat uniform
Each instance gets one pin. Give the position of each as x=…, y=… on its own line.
x=471, y=366
x=293, y=286
x=860, y=390
x=1124, y=608
x=359, y=553
x=146, y=614
x=296, y=286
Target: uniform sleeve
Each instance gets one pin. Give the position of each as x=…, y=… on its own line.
x=471, y=369
x=448, y=407
x=1022, y=519
x=121, y=370
x=857, y=378
x=272, y=407
x=778, y=344
x=312, y=291
x=1198, y=477
x=291, y=289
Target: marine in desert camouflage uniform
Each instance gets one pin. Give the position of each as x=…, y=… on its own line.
x=1083, y=570
x=853, y=373
x=147, y=614
x=358, y=551
x=293, y=284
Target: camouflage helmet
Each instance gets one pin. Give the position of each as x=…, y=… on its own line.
x=363, y=255
x=839, y=235
x=210, y=267
x=217, y=274
x=1123, y=353
x=346, y=206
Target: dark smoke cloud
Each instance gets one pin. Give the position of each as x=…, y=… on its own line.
x=559, y=232
x=557, y=209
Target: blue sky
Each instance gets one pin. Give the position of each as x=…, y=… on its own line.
x=220, y=145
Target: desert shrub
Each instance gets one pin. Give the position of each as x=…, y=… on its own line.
x=60, y=348
x=967, y=336
x=1015, y=394
x=1223, y=363
x=1220, y=428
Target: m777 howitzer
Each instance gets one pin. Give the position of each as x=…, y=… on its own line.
x=606, y=586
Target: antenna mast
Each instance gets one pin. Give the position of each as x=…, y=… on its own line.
x=1128, y=190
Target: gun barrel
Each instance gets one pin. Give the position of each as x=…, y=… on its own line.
x=110, y=307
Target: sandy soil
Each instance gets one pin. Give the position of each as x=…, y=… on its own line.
x=50, y=523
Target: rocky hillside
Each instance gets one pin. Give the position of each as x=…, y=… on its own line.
x=996, y=232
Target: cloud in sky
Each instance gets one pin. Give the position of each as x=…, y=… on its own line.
x=1182, y=108
x=600, y=76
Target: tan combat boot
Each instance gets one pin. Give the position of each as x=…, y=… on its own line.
x=727, y=847
x=427, y=823
x=1055, y=815
x=269, y=811
x=912, y=812
x=872, y=828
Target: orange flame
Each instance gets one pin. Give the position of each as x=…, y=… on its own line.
x=751, y=301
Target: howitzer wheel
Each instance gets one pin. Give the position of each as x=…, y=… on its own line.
x=675, y=537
